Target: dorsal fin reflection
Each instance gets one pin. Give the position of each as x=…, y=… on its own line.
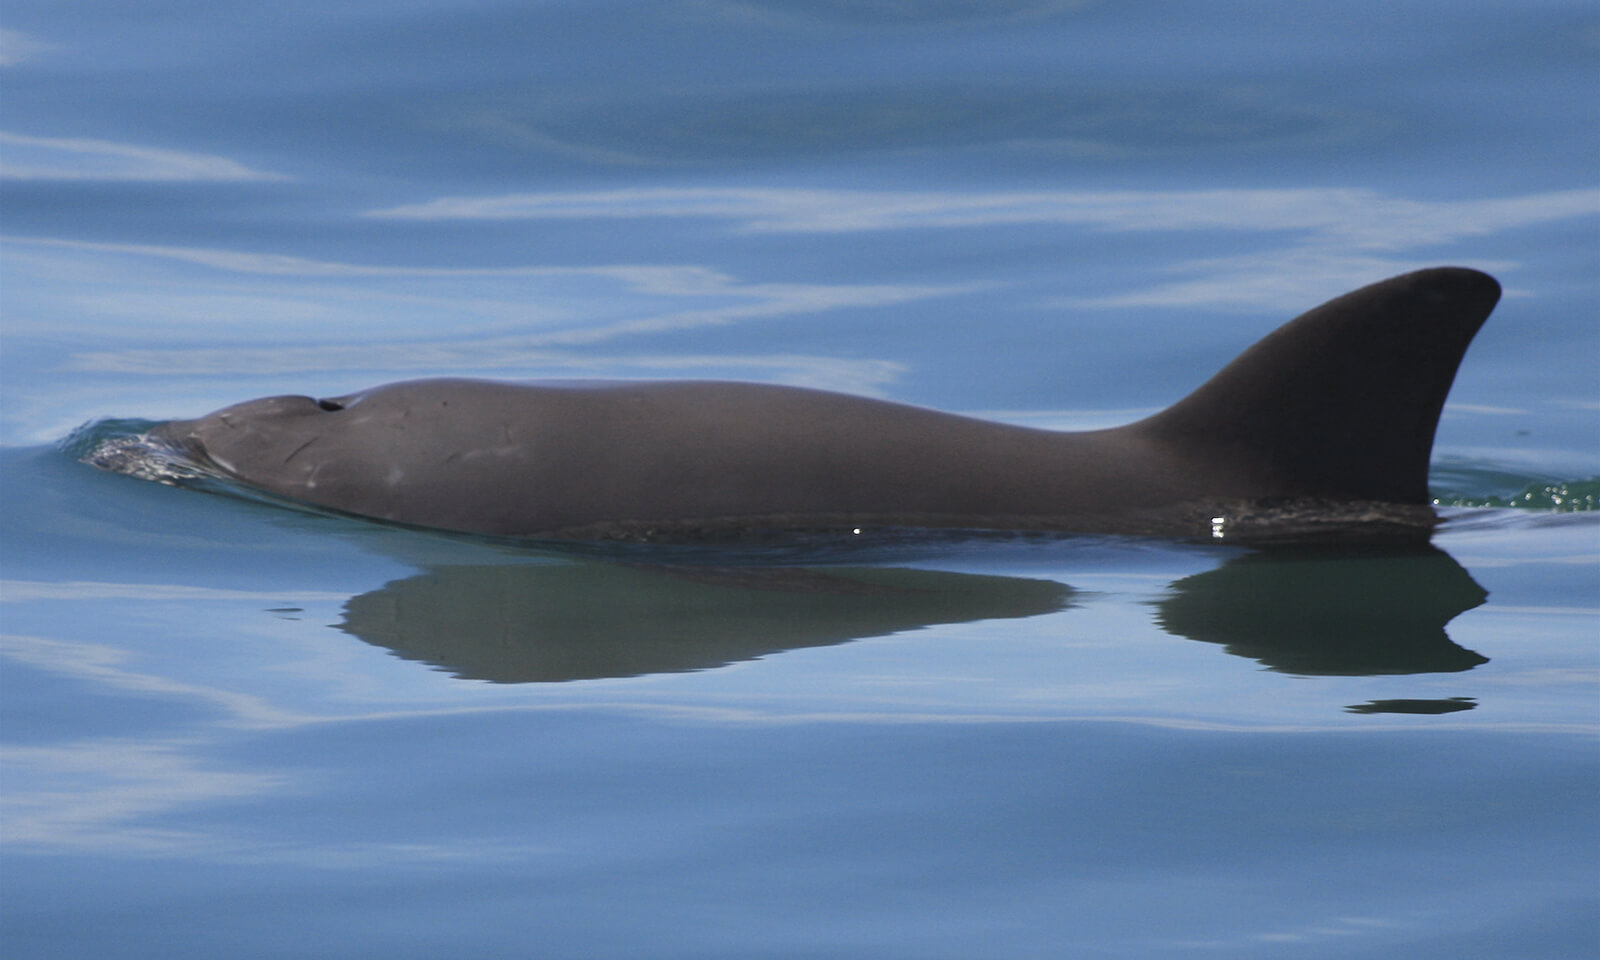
x=1335, y=609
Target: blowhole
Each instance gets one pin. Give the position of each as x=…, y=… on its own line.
x=330, y=405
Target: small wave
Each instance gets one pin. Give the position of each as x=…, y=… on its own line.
x=126, y=446
x=1562, y=496
x=1458, y=481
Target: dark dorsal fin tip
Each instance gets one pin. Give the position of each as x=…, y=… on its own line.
x=1343, y=400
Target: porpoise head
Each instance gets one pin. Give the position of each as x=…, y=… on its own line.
x=366, y=452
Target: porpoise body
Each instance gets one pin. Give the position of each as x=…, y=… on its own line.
x=1337, y=406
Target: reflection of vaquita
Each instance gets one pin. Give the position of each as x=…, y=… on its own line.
x=1308, y=610
x=572, y=621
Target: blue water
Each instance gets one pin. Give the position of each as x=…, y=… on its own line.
x=235, y=729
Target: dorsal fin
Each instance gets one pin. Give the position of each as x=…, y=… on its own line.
x=1342, y=401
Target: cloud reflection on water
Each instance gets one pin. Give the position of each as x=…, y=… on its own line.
x=1361, y=217
x=64, y=158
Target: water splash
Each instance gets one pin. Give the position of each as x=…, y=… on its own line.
x=1561, y=496
x=126, y=446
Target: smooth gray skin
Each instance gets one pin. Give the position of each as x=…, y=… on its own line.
x=1340, y=404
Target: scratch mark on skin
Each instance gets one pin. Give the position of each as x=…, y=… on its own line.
x=296, y=451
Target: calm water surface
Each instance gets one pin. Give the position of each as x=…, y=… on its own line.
x=234, y=729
